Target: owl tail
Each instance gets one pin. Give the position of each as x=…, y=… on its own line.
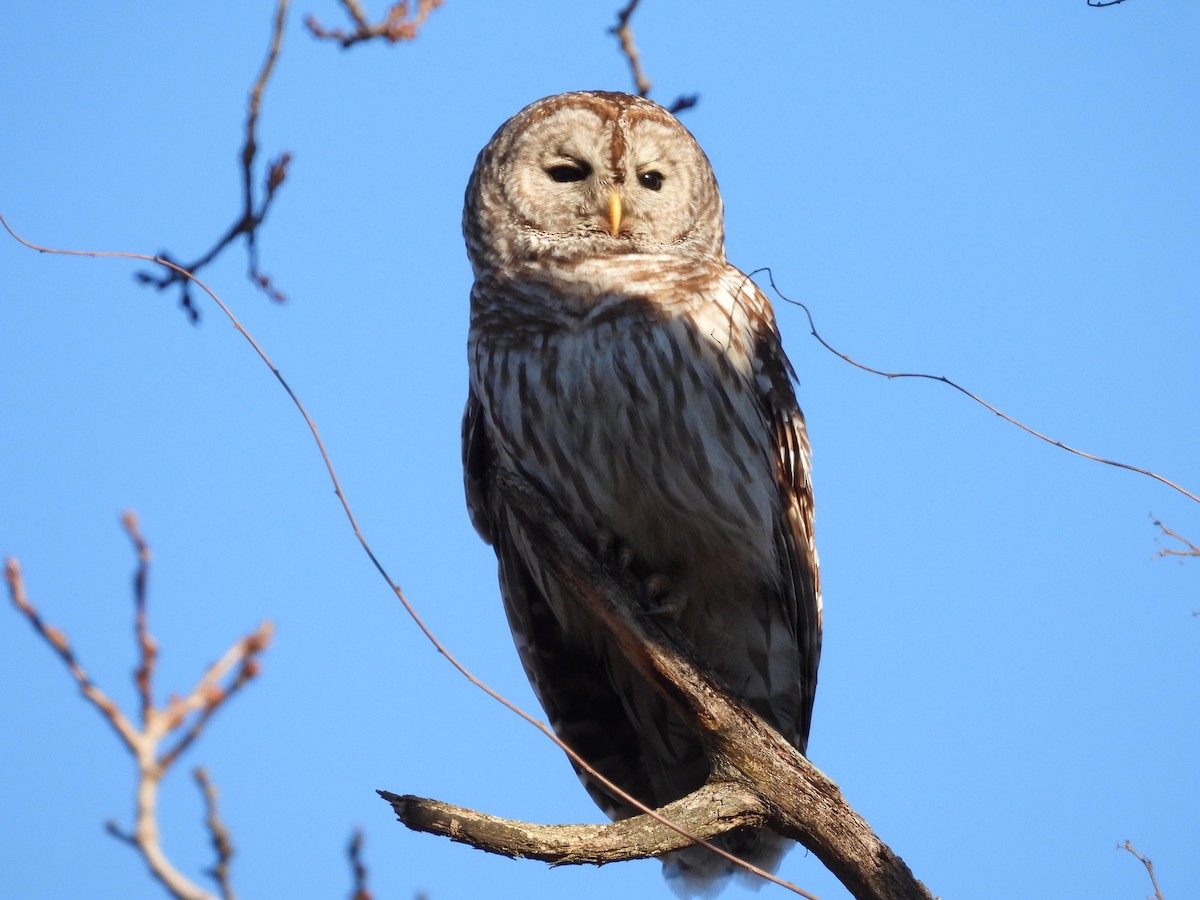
x=698, y=872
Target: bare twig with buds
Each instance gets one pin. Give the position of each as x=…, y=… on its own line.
x=251, y=214
x=165, y=731
x=396, y=25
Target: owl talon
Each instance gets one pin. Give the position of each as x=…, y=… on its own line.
x=610, y=551
x=605, y=541
x=656, y=587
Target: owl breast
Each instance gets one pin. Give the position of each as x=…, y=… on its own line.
x=639, y=417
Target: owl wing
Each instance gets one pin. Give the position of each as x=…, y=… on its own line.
x=799, y=577
x=571, y=684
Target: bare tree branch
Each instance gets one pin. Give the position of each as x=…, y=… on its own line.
x=798, y=801
x=624, y=34
x=251, y=215
x=1145, y=861
x=158, y=723
x=758, y=778
x=395, y=26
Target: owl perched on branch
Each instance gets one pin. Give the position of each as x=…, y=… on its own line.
x=621, y=364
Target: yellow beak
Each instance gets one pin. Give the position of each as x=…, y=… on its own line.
x=614, y=213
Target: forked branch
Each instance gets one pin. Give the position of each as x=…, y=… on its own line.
x=396, y=25
x=182, y=717
x=623, y=32
x=1187, y=549
x=252, y=214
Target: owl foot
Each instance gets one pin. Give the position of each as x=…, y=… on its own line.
x=655, y=588
x=660, y=600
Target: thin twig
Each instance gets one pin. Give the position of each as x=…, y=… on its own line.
x=1145, y=861
x=944, y=380
x=219, y=834
x=395, y=588
x=147, y=648
x=250, y=217
x=624, y=34
x=357, y=867
x=395, y=26
x=1192, y=549
x=59, y=643
x=209, y=695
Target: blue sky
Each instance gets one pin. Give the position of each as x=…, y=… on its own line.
x=1006, y=194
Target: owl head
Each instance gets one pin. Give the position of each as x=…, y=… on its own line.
x=591, y=174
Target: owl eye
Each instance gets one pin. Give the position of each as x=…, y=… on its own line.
x=568, y=172
x=652, y=180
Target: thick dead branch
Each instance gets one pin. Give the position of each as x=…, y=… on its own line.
x=395, y=26
x=709, y=812
x=252, y=214
x=778, y=788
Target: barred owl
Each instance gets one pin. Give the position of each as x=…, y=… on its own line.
x=620, y=363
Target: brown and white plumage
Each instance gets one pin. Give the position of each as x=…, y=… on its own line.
x=618, y=360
